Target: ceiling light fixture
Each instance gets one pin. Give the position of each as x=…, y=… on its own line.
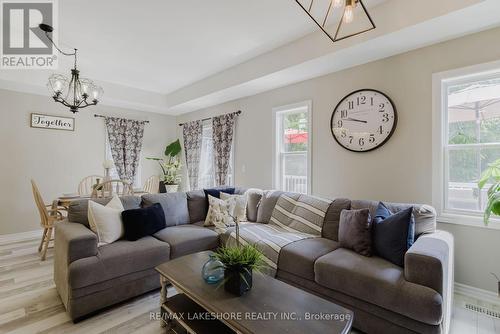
x=347, y=17
x=75, y=93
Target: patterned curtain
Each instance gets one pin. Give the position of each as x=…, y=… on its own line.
x=192, y=134
x=125, y=140
x=223, y=130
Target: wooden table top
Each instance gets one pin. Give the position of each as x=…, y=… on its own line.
x=271, y=306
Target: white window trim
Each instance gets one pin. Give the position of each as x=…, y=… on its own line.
x=439, y=119
x=276, y=138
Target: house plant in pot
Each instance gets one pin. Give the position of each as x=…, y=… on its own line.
x=171, y=167
x=491, y=176
x=240, y=262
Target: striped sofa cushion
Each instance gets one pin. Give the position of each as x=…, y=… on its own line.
x=302, y=213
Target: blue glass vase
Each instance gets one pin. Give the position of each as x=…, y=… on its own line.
x=213, y=270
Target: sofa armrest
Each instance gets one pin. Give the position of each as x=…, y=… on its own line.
x=73, y=241
x=429, y=262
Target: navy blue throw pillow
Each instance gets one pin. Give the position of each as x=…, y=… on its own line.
x=216, y=192
x=138, y=223
x=393, y=234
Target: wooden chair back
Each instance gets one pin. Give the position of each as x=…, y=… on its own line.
x=108, y=188
x=152, y=185
x=85, y=186
x=40, y=204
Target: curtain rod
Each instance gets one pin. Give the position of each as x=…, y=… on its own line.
x=101, y=116
x=209, y=118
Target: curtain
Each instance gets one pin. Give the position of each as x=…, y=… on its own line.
x=192, y=134
x=125, y=141
x=223, y=130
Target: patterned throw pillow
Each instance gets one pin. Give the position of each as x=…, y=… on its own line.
x=237, y=205
x=218, y=214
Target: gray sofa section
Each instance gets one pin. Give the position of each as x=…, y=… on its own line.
x=385, y=298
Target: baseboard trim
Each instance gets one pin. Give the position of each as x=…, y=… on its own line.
x=480, y=294
x=14, y=237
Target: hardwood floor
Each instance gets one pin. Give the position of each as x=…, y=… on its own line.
x=30, y=303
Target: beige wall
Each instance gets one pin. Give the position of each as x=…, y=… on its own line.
x=399, y=171
x=58, y=160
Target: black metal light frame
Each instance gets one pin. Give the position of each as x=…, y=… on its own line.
x=323, y=26
x=75, y=78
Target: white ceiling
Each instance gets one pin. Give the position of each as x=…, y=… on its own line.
x=152, y=55
x=163, y=45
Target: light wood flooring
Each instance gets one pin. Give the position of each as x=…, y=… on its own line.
x=29, y=302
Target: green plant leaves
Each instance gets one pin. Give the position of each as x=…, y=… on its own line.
x=493, y=205
x=173, y=149
x=240, y=257
x=484, y=178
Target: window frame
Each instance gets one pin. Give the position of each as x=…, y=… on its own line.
x=440, y=168
x=277, y=116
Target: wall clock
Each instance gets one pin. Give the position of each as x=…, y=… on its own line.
x=364, y=120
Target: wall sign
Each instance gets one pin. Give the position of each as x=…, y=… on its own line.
x=52, y=122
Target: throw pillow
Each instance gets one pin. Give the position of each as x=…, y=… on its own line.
x=355, y=231
x=267, y=204
x=218, y=214
x=175, y=206
x=106, y=221
x=237, y=205
x=142, y=222
x=393, y=234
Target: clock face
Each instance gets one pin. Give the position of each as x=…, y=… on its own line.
x=364, y=120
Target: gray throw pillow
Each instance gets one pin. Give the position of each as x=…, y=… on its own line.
x=332, y=218
x=355, y=230
x=267, y=204
x=254, y=196
x=174, y=205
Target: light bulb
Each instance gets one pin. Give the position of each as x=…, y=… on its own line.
x=57, y=86
x=86, y=87
x=338, y=3
x=349, y=14
x=97, y=93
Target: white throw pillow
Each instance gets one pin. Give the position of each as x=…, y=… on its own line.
x=106, y=221
x=237, y=205
x=218, y=214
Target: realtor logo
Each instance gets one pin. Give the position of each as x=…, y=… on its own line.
x=24, y=45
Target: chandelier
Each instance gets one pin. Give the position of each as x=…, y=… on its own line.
x=349, y=9
x=75, y=92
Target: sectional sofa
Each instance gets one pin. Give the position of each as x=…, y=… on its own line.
x=385, y=298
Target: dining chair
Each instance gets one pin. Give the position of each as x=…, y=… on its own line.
x=108, y=188
x=48, y=217
x=152, y=185
x=86, y=185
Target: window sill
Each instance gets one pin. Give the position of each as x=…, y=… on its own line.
x=468, y=220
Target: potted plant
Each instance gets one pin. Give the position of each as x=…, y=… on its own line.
x=239, y=264
x=171, y=167
x=492, y=173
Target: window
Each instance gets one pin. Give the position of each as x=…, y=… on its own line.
x=292, y=158
x=206, y=173
x=113, y=173
x=469, y=138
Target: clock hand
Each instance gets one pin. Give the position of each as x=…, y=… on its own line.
x=355, y=120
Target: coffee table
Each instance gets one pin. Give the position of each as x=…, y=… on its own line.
x=271, y=306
